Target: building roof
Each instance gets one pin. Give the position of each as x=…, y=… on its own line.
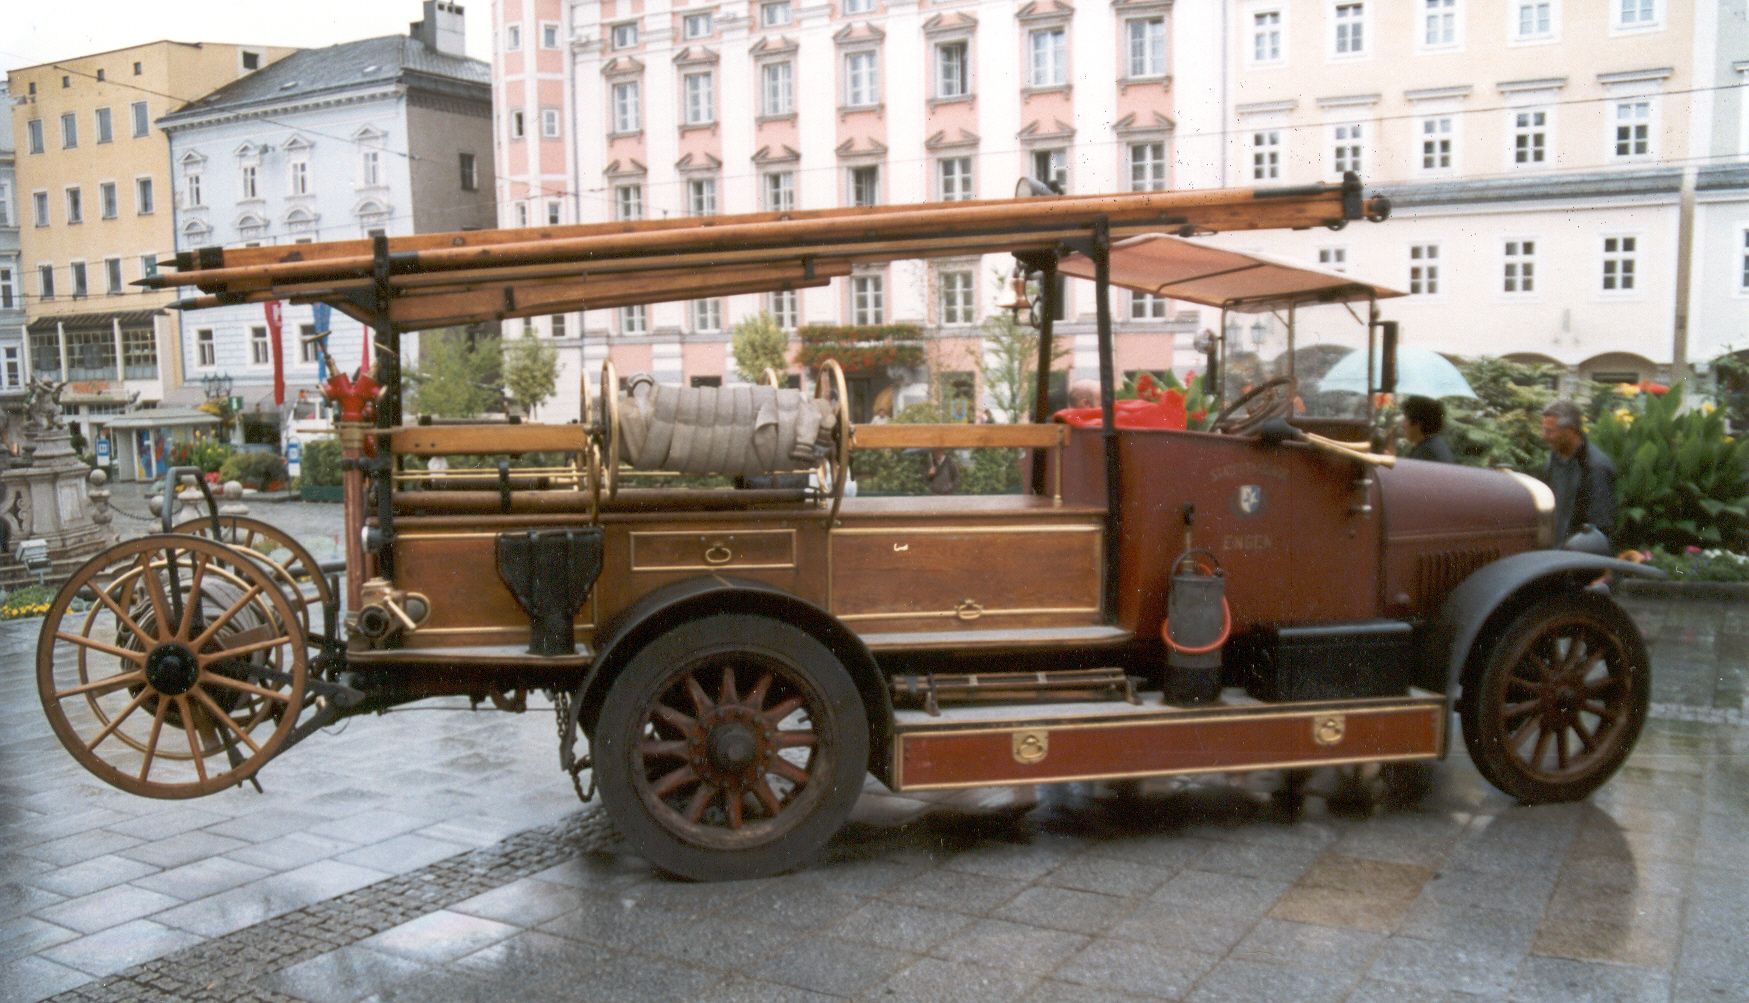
x=370, y=62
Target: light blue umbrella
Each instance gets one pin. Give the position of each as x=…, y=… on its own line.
x=1419, y=371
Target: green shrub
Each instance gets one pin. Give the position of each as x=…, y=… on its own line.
x=1502, y=426
x=32, y=600
x=1693, y=564
x=320, y=463
x=1684, y=481
x=258, y=470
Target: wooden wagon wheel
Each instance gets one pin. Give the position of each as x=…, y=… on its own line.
x=840, y=460
x=172, y=666
x=293, y=567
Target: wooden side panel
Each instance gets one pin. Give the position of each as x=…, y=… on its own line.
x=1170, y=742
x=888, y=578
x=470, y=605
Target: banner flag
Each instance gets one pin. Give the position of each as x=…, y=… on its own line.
x=273, y=308
x=321, y=314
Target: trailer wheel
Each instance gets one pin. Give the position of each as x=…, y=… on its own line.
x=171, y=666
x=731, y=747
x=293, y=567
x=1558, y=701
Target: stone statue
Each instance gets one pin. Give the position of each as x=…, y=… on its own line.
x=45, y=405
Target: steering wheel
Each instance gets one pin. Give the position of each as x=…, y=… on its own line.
x=1269, y=399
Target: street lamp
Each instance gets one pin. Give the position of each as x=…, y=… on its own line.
x=216, y=386
x=1259, y=331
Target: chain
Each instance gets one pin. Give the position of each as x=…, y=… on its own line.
x=568, y=744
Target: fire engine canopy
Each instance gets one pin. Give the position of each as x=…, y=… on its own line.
x=1241, y=281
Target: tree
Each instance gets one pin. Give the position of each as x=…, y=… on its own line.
x=458, y=375
x=1009, y=363
x=759, y=344
x=531, y=370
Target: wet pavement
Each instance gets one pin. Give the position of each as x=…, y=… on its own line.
x=437, y=853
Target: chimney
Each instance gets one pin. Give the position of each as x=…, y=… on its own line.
x=441, y=31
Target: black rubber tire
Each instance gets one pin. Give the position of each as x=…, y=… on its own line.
x=1570, y=668
x=657, y=749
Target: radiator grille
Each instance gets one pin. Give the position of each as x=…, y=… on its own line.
x=1437, y=574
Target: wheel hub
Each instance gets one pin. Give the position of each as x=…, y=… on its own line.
x=735, y=748
x=172, y=669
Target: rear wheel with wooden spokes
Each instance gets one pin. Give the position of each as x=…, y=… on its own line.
x=291, y=565
x=172, y=666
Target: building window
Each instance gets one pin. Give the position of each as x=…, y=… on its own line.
x=784, y=309
x=555, y=212
x=549, y=36
x=1047, y=57
x=707, y=315
x=470, y=172
x=956, y=297
x=953, y=77
x=191, y=191
x=248, y=187
x=148, y=265
x=1633, y=129
x=859, y=6
x=45, y=353
x=39, y=203
x=776, y=14
x=34, y=132
x=1743, y=248
x=633, y=320
x=1529, y=137
x=1145, y=41
x=628, y=202
x=105, y=127
x=779, y=191
x=512, y=37
x=370, y=173
x=91, y=355
x=75, y=206
x=206, y=353
x=1266, y=154
x=955, y=174
x=557, y=325
x=69, y=131
x=1533, y=19
x=1637, y=13
x=1266, y=36
x=1051, y=167
x=307, y=338
x=1518, y=269
x=1333, y=258
x=866, y=303
x=862, y=80
x=142, y=120
x=521, y=215
x=112, y=276
x=700, y=98
x=777, y=88
x=625, y=35
x=6, y=289
x=81, y=288
x=1346, y=150
x=45, y=289
x=1619, y=254
x=1148, y=167
x=865, y=185
x=549, y=123
x=1424, y=269
x=1147, y=306
x=139, y=353
x=1350, y=23
x=258, y=346
x=14, y=373
x=701, y=197
x=1438, y=23
x=1436, y=143
x=696, y=25
x=300, y=177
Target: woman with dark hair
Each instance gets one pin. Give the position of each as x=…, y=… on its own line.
x=1424, y=426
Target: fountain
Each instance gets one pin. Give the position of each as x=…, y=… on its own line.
x=54, y=509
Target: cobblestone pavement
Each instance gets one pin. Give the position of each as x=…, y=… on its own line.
x=438, y=854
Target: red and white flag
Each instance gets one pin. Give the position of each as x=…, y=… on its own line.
x=273, y=322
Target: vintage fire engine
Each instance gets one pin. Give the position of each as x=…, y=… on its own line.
x=730, y=664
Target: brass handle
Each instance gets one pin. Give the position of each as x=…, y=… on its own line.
x=718, y=552
x=968, y=609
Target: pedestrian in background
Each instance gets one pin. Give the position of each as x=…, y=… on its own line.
x=1581, y=475
x=1424, y=427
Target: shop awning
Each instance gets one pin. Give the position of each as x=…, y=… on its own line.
x=1216, y=277
x=161, y=417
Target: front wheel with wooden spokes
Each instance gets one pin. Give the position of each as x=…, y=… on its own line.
x=731, y=747
x=172, y=666
x=1554, y=706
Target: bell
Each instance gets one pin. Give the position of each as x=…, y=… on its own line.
x=1013, y=298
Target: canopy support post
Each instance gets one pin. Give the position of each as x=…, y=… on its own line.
x=387, y=344
x=1101, y=255
x=1046, y=265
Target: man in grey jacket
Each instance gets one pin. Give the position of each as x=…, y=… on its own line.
x=1582, y=477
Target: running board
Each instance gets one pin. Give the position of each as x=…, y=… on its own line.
x=987, y=746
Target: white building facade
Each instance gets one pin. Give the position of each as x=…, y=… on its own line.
x=384, y=136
